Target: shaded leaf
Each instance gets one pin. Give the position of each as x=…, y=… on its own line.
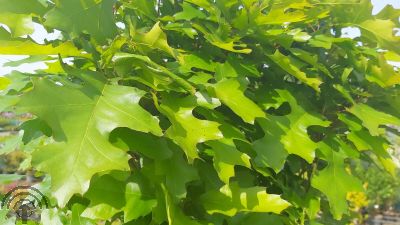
x=89, y=16
x=231, y=94
x=287, y=134
x=288, y=65
x=186, y=130
x=334, y=181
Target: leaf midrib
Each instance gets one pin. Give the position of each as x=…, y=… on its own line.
x=77, y=154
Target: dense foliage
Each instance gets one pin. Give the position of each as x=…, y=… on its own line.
x=202, y=112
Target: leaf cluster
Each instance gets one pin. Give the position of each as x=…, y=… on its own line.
x=203, y=112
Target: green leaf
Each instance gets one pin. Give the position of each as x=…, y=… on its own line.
x=89, y=114
x=261, y=219
x=381, y=31
x=4, y=82
x=107, y=190
x=121, y=57
x=19, y=24
x=27, y=47
x=30, y=59
x=365, y=113
x=288, y=65
x=363, y=140
x=228, y=44
x=231, y=46
x=287, y=134
x=310, y=59
x=34, y=129
x=89, y=16
x=156, y=39
x=270, y=150
x=226, y=157
x=50, y=217
x=11, y=144
x=145, y=7
x=384, y=74
x=7, y=101
x=17, y=15
x=231, y=93
x=196, y=61
x=76, y=218
x=279, y=15
x=136, y=204
x=18, y=82
x=177, y=172
x=109, y=195
x=299, y=36
x=233, y=67
x=174, y=214
x=189, y=112
x=100, y=211
x=325, y=41
x=334, y=181
x=189, y=13
x=230, y=200
x=22, y=7
x=186, y=130
x=149, y=145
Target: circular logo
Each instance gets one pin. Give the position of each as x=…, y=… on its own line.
x=25, y=203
